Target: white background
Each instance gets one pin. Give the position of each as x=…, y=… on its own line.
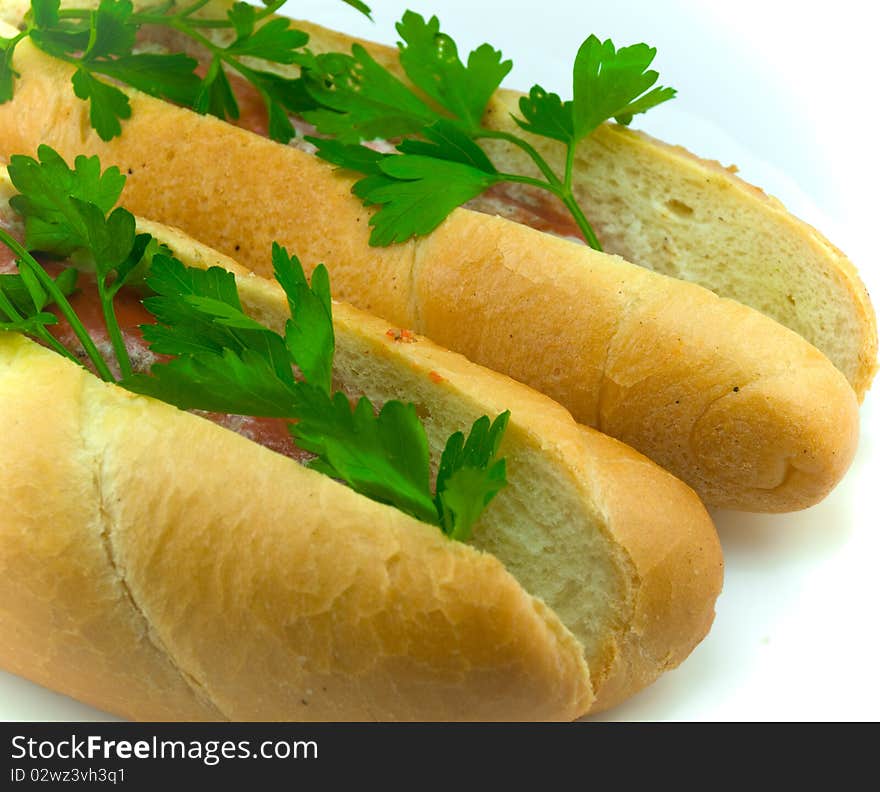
x=788, y=92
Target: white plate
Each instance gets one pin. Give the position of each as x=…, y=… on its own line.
x=786, y=91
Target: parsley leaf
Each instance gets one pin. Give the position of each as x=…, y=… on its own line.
x=243, y=18
x=442, y=164
x=274, y=41
x=222, y=369
x=281, y=96
x=611, y=83
x=199, y=313
x=101, y=42
x=215, y=94
x=349, y=156
x=7, y=72
x=33, y=290
x=546, y=114
x=67, y=211
x=225, y=382
x=383, y=456
x=417, y=193
x=112, y=32
x=362, y=100
x=308, y=333
x=446, y=141
x=132, y=269
x=29, y=325
x=608, y=83
x=225, y=361
x=360, y=6
x=45, y=12
x=420, y=187
x=54, y=200
x=107, y=104
x=169, y=77
x=44, y=184
x=470, y=475
x=430, y=59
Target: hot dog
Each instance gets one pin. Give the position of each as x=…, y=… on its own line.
x=159, y=566
x=746, y=412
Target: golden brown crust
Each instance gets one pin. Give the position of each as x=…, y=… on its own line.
x=675, y=564
x=381, y=617
x=286, y=596
x=662, y=207
x=67, y=619
x=745, y=411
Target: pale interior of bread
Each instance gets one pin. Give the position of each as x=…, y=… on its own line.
x=537, y=526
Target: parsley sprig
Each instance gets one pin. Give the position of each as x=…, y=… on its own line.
x=441, y=163
x=222, y=360
x=69, y=213
x=100, y=42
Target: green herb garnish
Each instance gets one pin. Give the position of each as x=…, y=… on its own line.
x=69, y=213
x=441, y=163
x=226, y=362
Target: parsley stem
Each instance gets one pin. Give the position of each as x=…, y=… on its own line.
x=569, y=165
x=185, y=14
x=527, y=147
x=63, y=305
x=561, y=189
x=8, y=308
x=571, y=202
x=531, y=181
x=580, y=218
x=113, y=330
x=183, y=26
x=47, y=338
x=10, y=44
x=160, y=15
x=567, y=198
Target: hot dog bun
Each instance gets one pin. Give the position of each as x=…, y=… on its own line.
x=158, y=566
x=745, y=411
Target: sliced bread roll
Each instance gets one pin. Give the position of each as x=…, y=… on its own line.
x=158, y=566
x=660, y=206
